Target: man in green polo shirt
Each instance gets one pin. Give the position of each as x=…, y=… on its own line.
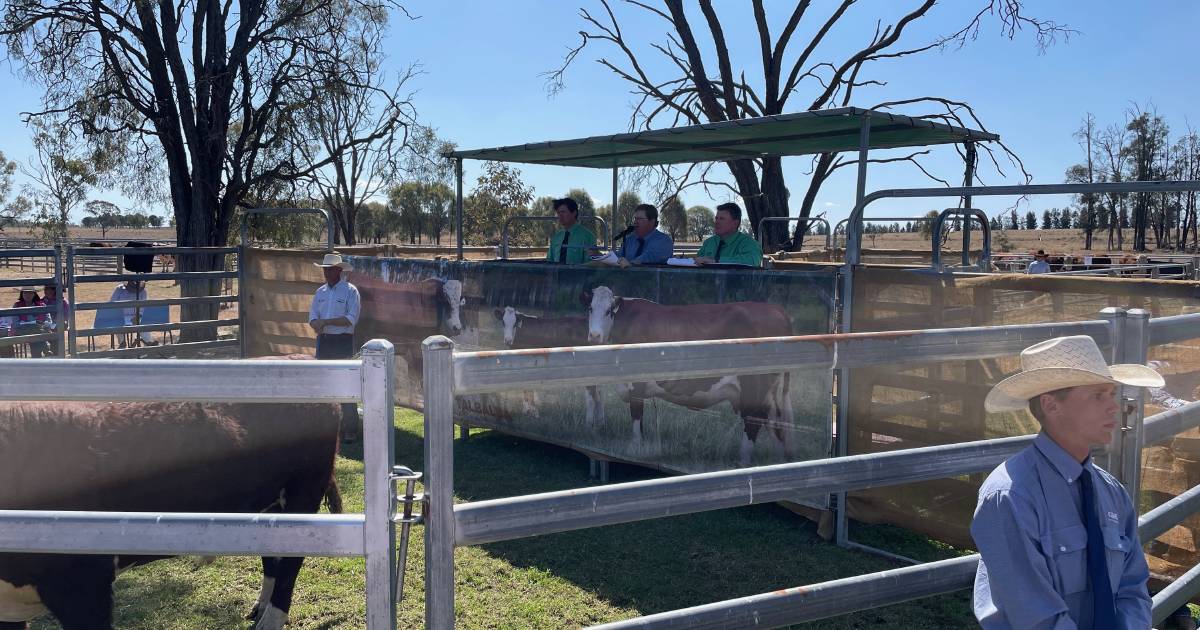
x=572, y=243
x=728, y=245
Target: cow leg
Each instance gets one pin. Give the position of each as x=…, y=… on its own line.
x=270, y=570
x=594, y=407
x=754, y=408
x=304, y=495
x=784, y=419
x=637, y=409
x=80, y=596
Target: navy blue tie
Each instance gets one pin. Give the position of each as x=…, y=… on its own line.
x=640, y=247
x=1104, y=608
x=720, y=244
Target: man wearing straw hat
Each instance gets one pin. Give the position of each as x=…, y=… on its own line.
x=1058, y=535
x=333, y=315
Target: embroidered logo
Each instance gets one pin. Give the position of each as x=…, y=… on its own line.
x=1112, y=516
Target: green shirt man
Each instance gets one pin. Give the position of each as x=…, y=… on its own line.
x=728, y=245
x=572, y=242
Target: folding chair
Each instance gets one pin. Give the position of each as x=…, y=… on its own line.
x=158, y=315
x=108, y=318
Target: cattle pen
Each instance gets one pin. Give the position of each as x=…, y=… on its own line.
x=887, y=365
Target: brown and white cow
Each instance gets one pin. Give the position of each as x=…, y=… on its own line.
x=760, y=399
x=529, y=331
x=405, y=313
x=154, y=457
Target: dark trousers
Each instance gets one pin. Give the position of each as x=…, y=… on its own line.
x=341, y=347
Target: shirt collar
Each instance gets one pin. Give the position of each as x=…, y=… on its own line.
x=1059, y=458
x=341, y=281
x=732, y=235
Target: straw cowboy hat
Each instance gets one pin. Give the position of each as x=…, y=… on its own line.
x=333, y=260
x=1061, y=363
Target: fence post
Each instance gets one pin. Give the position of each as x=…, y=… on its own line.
x=70, y=293
x=378, y=359
x=438, y=355
x=1113, y=460
x=1137, y=349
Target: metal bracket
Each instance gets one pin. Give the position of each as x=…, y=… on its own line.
x=405, y=517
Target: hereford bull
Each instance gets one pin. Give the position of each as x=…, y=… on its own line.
x=154, y=457
x=760, y=399
x=529, y=331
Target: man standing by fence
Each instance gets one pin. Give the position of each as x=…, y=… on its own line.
x=1057, y=535
x=333, y=315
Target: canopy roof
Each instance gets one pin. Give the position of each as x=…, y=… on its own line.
x=821, y=131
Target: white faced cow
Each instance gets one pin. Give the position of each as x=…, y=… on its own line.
x=405, y=313
x=154, y=457
x=760, y=399
x=529, y=331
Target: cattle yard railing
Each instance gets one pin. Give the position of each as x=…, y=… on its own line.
x=11, y=333
x=76, y=255
x=447, y=374
x=369, y=535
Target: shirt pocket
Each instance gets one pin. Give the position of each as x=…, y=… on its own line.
x=1116, y=549
x=1068, y=552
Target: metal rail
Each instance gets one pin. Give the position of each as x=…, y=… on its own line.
x=370, y=534
x=72, y=279
x=448, y=374
x=828, y=231
x=985, y=256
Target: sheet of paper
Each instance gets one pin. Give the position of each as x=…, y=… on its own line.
x=681, y=262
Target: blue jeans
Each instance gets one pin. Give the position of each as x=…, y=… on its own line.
x=341, y=347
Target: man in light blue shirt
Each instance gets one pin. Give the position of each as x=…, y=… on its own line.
x=333, y=315
x=1057, y=535
x=646, y=245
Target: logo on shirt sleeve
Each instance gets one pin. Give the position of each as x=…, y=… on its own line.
x=1112, y=516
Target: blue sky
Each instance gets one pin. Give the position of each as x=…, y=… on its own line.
x=482, y=86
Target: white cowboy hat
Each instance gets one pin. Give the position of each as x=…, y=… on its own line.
x=333, y=260
x=1061, y=363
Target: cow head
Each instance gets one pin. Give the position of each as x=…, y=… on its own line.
x=511, y=319
x=602, y=310
x=452, y=292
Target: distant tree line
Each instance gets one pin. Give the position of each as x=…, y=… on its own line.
x=1138, y=148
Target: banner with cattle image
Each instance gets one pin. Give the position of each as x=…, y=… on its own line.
x=688, y=425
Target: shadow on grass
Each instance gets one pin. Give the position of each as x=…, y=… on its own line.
x=664, y=564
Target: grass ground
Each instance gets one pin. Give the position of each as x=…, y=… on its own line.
x=560, y=581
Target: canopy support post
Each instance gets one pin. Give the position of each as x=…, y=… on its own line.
x=458, y=206
x=612, y=214
x=968, y=181
x=853, y=236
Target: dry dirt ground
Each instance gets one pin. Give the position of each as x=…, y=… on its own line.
x=1019, y=241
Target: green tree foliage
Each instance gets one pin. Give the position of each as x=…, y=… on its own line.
x=499, y=193
x=672, y=218
x=408, y=203
x=11, y=211
x=699, y=223
x=1047, y=220
x=1030, y=220
x=61, y=176
x=626, y=202
x=103, y=214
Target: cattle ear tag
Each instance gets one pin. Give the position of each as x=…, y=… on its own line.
x=462, y=301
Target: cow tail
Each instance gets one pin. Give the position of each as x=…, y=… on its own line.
x=333, y=496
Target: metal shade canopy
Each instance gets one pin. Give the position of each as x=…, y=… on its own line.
x=820, y=131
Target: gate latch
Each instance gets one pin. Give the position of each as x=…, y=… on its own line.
x=402, y=513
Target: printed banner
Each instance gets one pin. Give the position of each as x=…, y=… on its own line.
x=689, y=425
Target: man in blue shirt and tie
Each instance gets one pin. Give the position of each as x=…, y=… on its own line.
x=646, y=245
x=1057, y=535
